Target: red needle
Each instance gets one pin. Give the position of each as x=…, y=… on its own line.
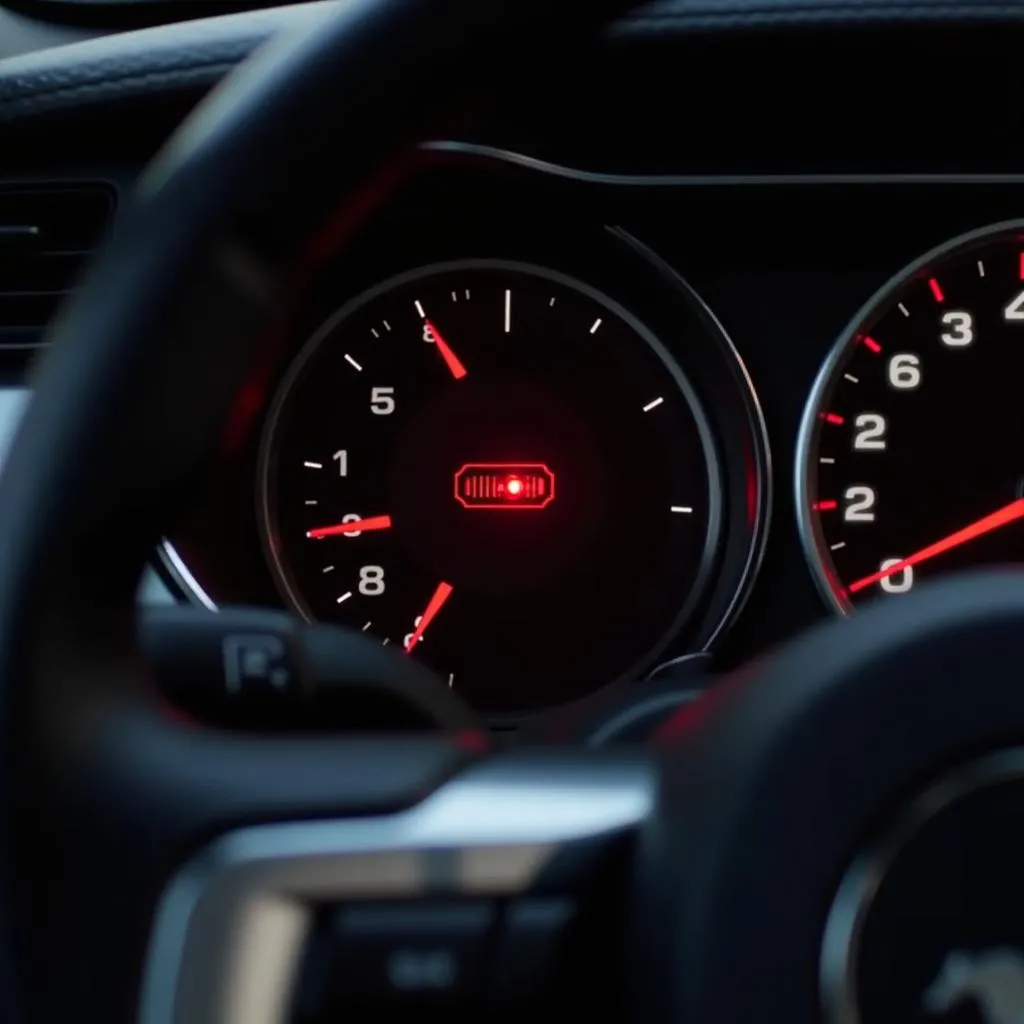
x=1007, y=514
x=356, y=526
x=441, y=595
x=453, y=361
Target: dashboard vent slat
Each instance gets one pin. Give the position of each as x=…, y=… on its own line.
x=46, y=235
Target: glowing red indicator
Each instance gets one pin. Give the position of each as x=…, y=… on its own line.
x=872, y=345
x=834, y=418
x=505, y=485
x=825, y=506
x=936, y=290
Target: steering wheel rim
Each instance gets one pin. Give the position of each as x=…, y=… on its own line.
x=104, y=795
x=198, y=264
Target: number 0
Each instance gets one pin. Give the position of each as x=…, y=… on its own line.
x=899, y=582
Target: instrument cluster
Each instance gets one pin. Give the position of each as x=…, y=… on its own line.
x=553, y=433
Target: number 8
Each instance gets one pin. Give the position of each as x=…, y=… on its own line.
x=371, y=580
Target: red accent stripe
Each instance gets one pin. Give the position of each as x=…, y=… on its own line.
x=872, y=345
x=936, y=290
x=831, y=417
x=825, y=506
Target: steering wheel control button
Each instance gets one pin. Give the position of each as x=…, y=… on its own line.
x=930, y=927
x=413, y=957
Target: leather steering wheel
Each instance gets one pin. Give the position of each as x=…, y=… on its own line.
x=152, y=869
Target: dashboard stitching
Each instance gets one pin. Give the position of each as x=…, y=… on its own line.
x=83, y=90
x=116, y=68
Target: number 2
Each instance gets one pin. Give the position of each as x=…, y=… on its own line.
x=870, y=432
x=860, y=505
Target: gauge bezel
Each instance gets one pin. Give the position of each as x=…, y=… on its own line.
x=804, y=476
x=265, y=482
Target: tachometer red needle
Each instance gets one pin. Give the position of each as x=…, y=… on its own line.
x=356, y=526
x=1007, y=514
x=453, y=361
x=443, y=592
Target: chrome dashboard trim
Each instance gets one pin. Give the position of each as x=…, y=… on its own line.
x=230, y=926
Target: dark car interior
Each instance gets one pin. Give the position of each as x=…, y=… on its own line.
x=507, y=510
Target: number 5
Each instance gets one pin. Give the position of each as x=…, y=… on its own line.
x=382, y=401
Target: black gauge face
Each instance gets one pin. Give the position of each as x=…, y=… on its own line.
x=910, y=462
x=497, y=470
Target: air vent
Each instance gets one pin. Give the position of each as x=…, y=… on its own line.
x=46, y=235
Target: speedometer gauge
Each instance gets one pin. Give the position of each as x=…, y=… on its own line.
x=909, y=460
x=498, y=470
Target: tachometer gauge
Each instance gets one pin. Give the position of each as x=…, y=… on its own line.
x=908, y=461
x=498, y=470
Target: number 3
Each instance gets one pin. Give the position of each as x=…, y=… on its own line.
x=962, y=333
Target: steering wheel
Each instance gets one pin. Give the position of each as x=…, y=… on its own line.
x=745, y=867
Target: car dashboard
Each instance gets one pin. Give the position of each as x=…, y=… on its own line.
x=625, y=384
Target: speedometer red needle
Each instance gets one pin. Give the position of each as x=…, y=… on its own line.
x=436, y=603
x=356, y=526
x=453, y=361
x=1007, y=514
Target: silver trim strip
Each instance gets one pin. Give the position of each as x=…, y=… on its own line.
x=840, y=948
x=479, y=151
x=230, y=927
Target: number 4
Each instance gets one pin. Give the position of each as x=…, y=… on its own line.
x=1015, y=310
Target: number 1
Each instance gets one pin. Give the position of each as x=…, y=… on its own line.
x=341, y=458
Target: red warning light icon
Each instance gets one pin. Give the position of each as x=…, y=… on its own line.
x=505, y=485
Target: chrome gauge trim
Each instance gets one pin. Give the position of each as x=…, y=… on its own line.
x=803, y=468
x=840, y=948
x=176, y=567
x=230, y=928
x=759, y=429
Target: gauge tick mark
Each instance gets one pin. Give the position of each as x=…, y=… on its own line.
x=597, y=323
x=352, y=362
x=344, y=597
x=653, y=405
x=313, y=465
